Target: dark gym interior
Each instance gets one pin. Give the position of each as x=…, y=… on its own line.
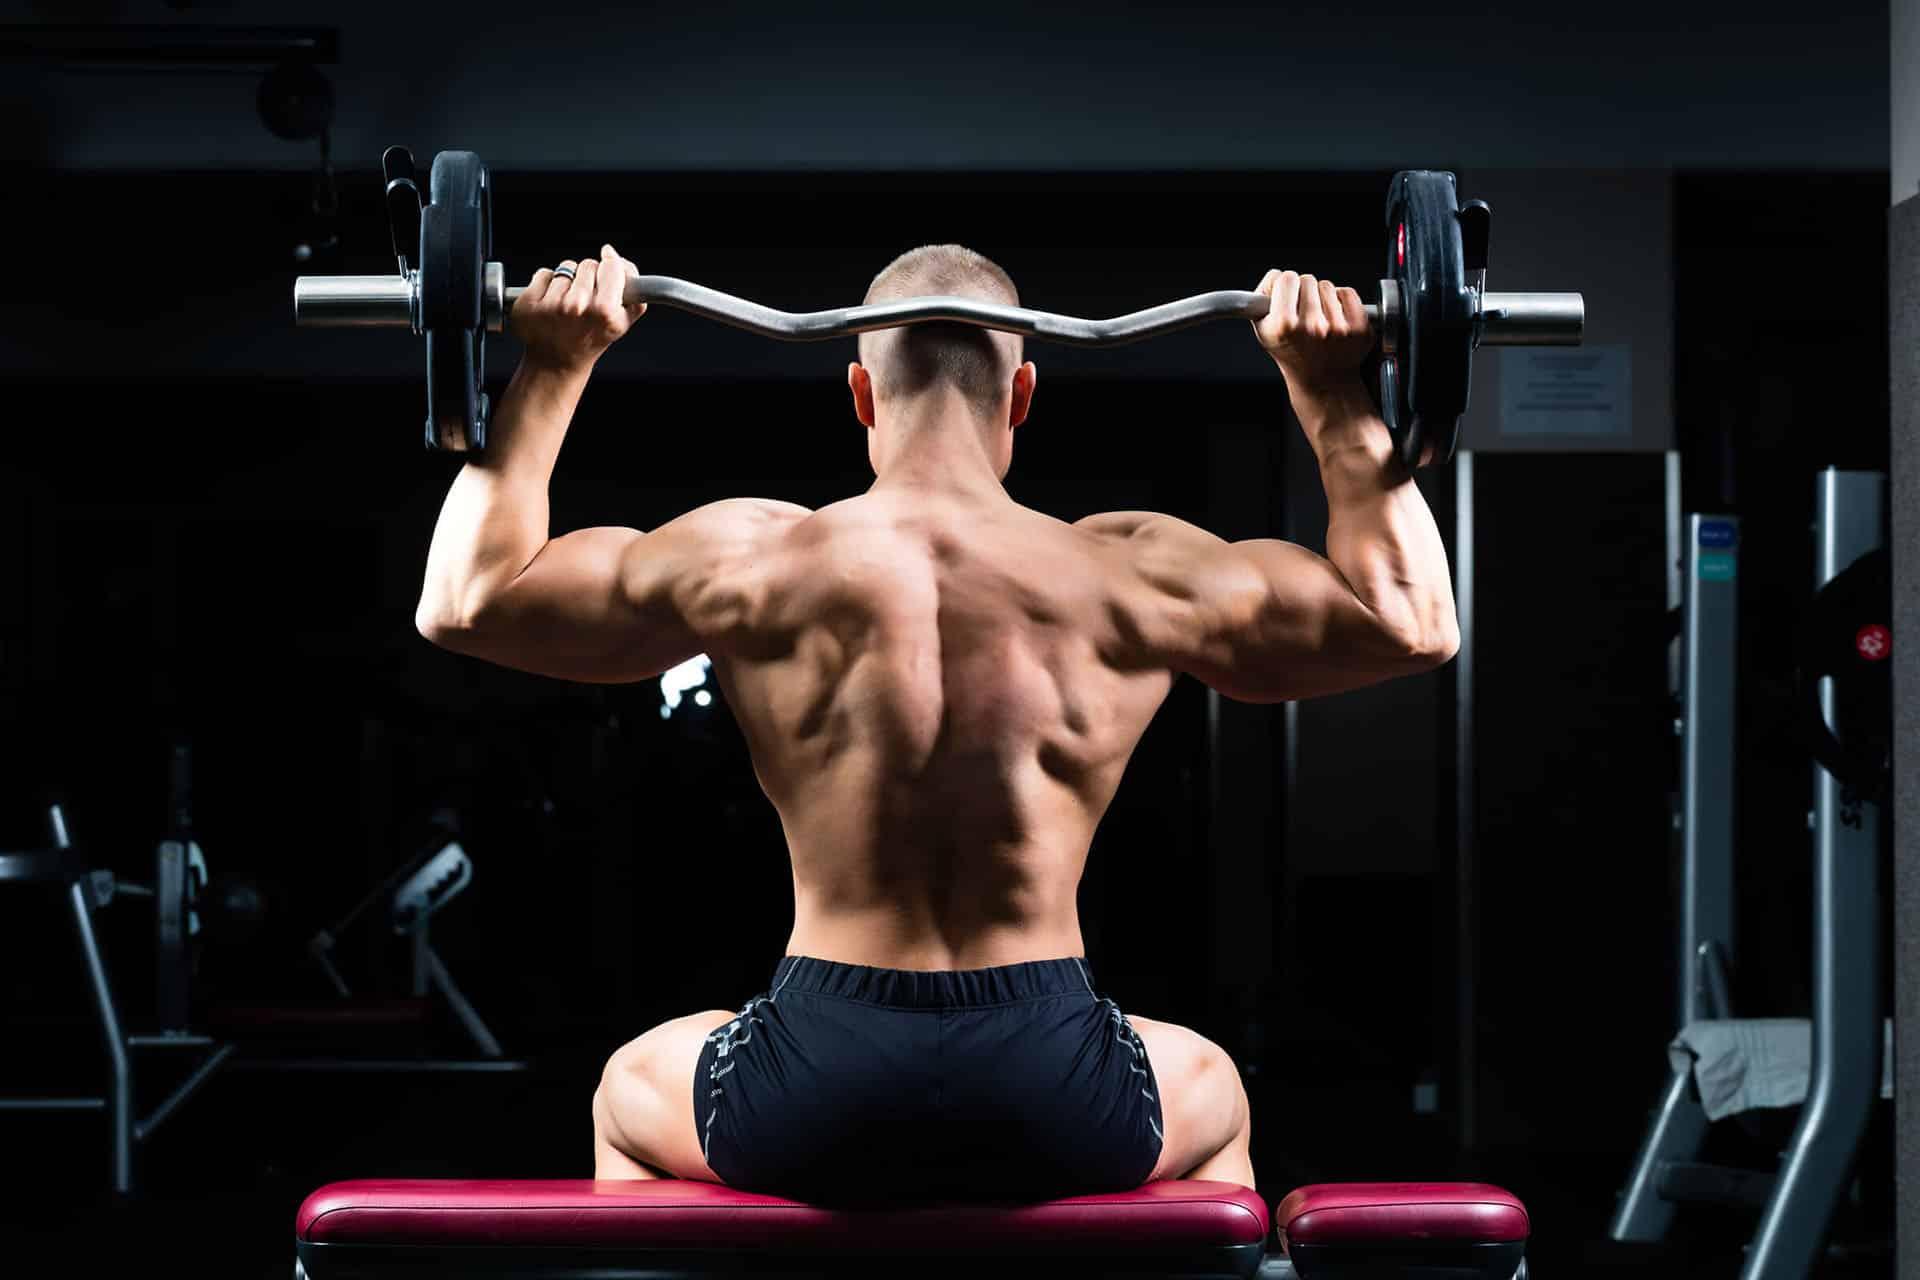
x=1436, y=923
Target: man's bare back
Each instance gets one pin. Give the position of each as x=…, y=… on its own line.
x=940, y=690
x=940, y=697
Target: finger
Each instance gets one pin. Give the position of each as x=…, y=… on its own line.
x=579, y=298
x=537, y=287
x=1313, y=316
x=612, y=280
x=562, y=280
x=623, y=270
x=638, y=308
x=1330, y=306
x=1265, y=290
x=1269, y=327
x=1286, y=299
x=635, y=309
x=1354, y=310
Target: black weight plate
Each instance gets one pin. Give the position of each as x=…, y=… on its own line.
x=1424, y=383
x=454, y=238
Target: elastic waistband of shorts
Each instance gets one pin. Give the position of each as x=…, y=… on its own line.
x=933, y=989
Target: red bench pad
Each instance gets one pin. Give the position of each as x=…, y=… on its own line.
x=1363, y=1213
x=701, y=1215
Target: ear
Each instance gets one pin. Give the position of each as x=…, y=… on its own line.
x=860, y=382
x=1024, y=379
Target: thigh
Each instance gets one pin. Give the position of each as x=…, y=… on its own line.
x=1202, y=1102
x=645, y=1100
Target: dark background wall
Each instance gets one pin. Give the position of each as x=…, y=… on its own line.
x=214, y=526
x=750, y=84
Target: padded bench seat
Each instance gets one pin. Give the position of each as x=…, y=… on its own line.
x=684, y=1229
x=1353, y=1229
x=699, y=1229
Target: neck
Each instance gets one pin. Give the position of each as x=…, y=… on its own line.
x=936, y=444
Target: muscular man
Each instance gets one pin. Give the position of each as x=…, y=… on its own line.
x=940, y=689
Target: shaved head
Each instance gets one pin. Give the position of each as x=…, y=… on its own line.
x=909, y=361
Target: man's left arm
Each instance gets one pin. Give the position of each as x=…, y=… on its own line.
x=602, y=604
x=610, y=605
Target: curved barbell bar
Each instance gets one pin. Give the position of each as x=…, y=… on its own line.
x=1506, y=319
x=845, y=322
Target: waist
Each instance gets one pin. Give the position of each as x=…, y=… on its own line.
x=901, y=934
x=933, y=988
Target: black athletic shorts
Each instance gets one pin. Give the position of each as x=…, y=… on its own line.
x=847, y=1085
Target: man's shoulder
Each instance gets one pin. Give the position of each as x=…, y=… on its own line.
x=1122, y=525
x=763, y=510
x=735, y=520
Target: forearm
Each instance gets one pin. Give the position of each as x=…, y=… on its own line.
x=1381, y=535
x=495, y=518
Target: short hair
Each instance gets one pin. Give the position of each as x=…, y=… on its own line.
x=972, y=360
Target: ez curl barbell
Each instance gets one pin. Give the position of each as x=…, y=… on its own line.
x=1432, y=313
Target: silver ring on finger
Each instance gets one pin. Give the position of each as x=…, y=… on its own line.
x=567, y=272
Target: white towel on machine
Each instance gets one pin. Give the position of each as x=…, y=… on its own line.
x=1742, y=1063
